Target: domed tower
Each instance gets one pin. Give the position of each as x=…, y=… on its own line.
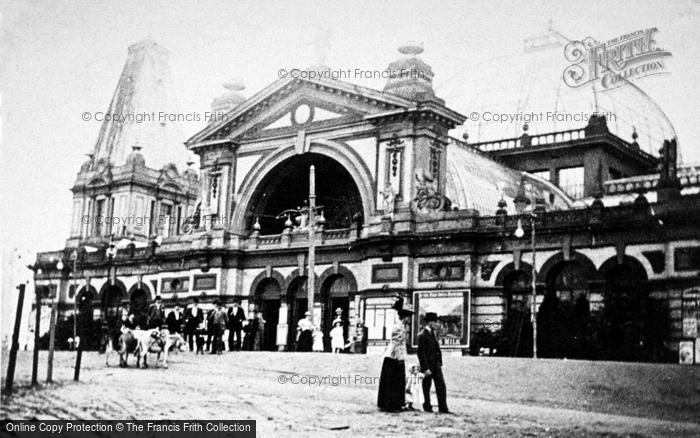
x=230, y=99
x=135, y=185
x=410, y=77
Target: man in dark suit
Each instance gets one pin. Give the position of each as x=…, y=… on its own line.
x=193, y=318
x=430, y=358
x=236, y=316
x=175, y=320
x=156, y=314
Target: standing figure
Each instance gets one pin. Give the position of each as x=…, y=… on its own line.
x=430, y=358
x=259, y=331
x=392, y=380
x=193, y=320
x=249, y=335
x=236, y=316
x=337, y=337
x=210, y=328
x=175, y=320
x=304, y=335
x=220, y=321
x=413, y=387
x=156, y=314
x=317, y=339
x=389, y=199
x=199, y=333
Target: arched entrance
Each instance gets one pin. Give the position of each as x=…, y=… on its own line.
x=563, y=315
x=87, y=330
x=335, y=294
x=114, y=298
x=267, y=300
x=635, y=324
x=286, y=186
x=297, y=303
x=139, y=298
x=517, y=287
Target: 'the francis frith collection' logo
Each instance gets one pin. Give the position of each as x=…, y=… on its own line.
x=615, y=62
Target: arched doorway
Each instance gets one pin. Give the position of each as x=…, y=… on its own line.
x=297, y=303
x=563, y=315
x=335, y=294
x=517, y=287
x=267, y=300
x=114, y=299
x=635, y=324
x=139, y=298
x=85, y=324
x=286, y=186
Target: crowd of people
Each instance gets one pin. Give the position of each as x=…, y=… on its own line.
x=204, y=329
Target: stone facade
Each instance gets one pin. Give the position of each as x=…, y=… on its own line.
x=403, y=236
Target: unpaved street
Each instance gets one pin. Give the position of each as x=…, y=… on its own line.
x=335, y=395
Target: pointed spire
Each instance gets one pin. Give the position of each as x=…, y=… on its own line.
x=142, y=106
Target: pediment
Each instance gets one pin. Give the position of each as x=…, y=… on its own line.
x=291, y=105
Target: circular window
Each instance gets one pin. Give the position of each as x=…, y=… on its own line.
x=302, y=114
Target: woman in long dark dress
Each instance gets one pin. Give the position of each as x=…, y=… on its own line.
x=392, y=380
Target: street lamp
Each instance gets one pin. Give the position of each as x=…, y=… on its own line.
x=521, y=202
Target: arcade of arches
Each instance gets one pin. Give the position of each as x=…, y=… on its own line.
x=584, y=313
x=270, y=300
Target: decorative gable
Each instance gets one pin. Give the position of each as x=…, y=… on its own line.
x=292, y=104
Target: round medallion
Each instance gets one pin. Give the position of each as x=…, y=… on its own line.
x=302, y=114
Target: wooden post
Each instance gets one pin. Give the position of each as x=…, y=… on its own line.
x=52, y=337
x=9, y=381
x=37, y=323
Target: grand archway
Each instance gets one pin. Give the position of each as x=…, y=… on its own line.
x=286, y=187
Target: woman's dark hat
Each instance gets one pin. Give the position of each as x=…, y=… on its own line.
x=431, y=317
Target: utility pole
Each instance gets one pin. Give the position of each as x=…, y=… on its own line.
x=311, y=280
x=52, y=324
x=9, y=381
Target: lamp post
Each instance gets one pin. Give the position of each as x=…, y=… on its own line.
x=521, y=201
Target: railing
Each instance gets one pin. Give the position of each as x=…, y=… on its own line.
x=531, y=140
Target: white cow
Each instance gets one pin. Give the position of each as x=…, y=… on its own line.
x=158, y=342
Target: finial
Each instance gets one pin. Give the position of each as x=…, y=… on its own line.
x=465, y=136
x=288, y=222
x=322, y=218
x=256, y=225
x=634, y=133
x=411, y=48
x=526, y=127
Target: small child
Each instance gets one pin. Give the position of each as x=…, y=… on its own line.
x=317, y=335
x=199, y=338
x=337, y=337
x=414, y=380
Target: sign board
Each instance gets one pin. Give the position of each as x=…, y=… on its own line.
x=453, y=310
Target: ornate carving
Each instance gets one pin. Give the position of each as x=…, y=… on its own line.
x=192, y=223
x=428, y=199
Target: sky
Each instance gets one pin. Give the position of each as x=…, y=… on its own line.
x=59, y=59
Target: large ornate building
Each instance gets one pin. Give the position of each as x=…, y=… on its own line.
x=404, y=208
